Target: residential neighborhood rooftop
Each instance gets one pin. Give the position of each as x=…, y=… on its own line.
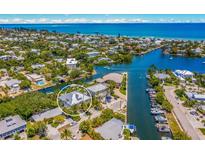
x=73, y=98
x=97, y=88
x=116, y=77
x=111, y=129
x=47, y=114
x=161, y=76
x=10, y=123
x=71, y=61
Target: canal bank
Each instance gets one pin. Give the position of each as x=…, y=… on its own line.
x=138, y=108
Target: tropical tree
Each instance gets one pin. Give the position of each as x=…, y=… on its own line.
x=85, y=126
x=66, y=134
x=74, y=74
x=17, y=137
x=25, y=84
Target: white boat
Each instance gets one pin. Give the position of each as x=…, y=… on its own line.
x=160, y=119
x=156, y=111
x=107, y=67
x=203, y=62
x=171, y=58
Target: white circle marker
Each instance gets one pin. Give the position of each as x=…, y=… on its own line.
x=73, y=85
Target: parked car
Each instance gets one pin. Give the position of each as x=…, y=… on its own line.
x=194, y=113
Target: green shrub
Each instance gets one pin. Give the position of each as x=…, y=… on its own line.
x=127, y=134
x=26, y=105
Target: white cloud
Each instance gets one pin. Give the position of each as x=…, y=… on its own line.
x=87, y=20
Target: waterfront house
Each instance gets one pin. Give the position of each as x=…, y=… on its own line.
x=161, y=76
x=182, y=74
x=74, y=98
x=197, y=50
x=98, y=90
x=93, y=54
x=105, y=59
x=11, y=125
x=46, y=115
x=115, y=77
x=71, y=63
x=36, y=79
x=112, y=129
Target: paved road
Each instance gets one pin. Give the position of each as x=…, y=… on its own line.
x=180, y=114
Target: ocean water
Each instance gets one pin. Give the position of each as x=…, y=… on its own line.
x=138, y=101
x=193, y=31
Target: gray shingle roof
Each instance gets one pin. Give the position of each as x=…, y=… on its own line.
x=111, y=129
x=47, y=114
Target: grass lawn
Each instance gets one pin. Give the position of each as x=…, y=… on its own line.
x=202, y=130
x=173, y=123
x=176, y=131
x=123, y=86
x=123, y=91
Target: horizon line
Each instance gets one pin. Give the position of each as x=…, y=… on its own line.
x=104, y=23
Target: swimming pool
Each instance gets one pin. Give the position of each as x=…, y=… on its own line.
x=40, y=83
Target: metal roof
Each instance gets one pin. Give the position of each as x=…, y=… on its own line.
x=11, y=123
x=73, y=98
x=97, y=88
x=47, y=114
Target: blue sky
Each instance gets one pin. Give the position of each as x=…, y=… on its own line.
x=100, y=18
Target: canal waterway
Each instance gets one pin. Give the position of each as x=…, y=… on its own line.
x=138, y=102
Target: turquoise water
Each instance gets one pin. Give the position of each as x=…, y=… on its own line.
x=164, y=30
x=138, y=102
x=40, y=83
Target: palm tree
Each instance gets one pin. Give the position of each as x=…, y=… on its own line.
x=66, y=134
x=16, y=136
